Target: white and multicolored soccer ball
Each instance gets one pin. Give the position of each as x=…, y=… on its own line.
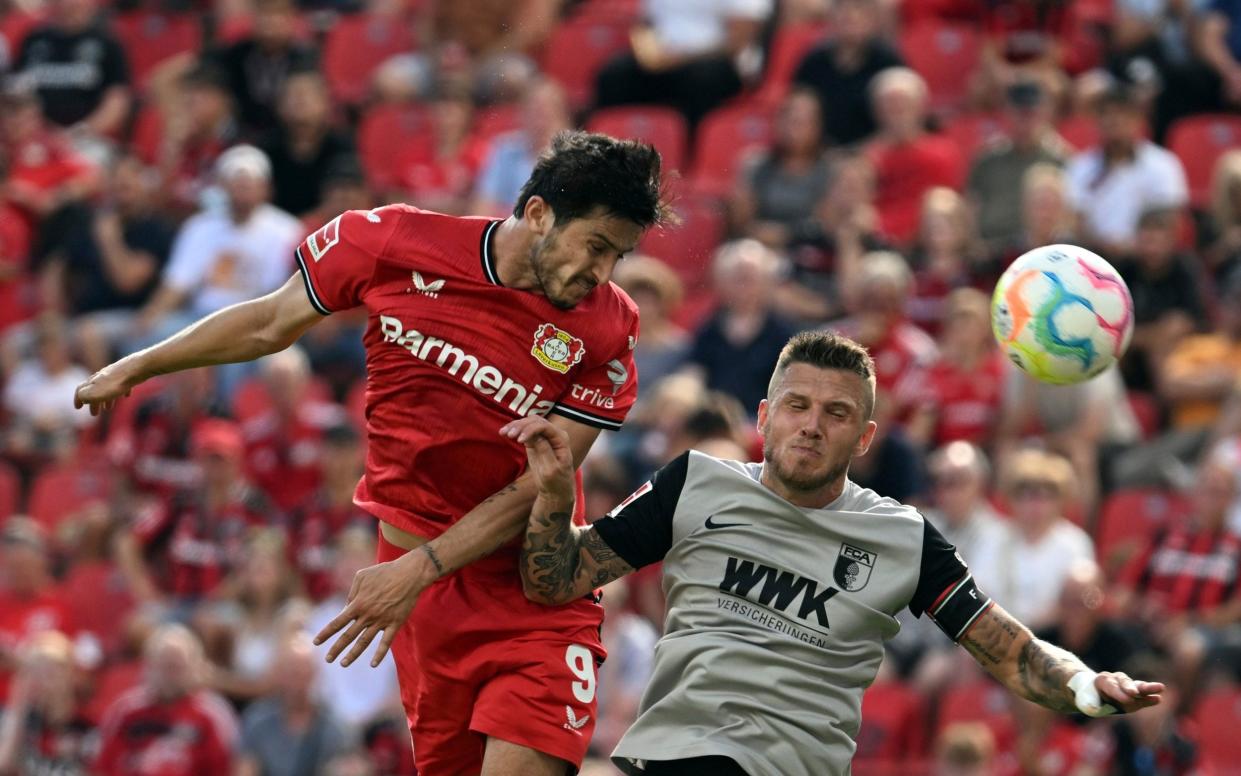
x=1062, y=314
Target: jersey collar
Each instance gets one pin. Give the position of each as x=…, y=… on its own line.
x=486, y=252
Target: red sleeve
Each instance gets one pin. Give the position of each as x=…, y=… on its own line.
x=604, y=392
x=338, y=260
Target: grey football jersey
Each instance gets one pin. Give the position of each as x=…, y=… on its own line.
x=776, y=614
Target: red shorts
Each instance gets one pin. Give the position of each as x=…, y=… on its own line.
x=478, y=660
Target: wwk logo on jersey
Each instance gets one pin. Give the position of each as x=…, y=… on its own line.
x=556, y=348
x=778, y=589
x=853, y=567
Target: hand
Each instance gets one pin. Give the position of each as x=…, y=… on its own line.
x=551, y=459
x=108, y=229
x=1127, y=694
x=381, y=599
x=104, y=387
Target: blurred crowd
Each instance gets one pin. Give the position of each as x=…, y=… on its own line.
x=866, y=165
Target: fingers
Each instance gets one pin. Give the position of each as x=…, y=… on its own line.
x=345, y=640
x=360, y=645
x=341, y=620
x=384, y=645
x=529, y=428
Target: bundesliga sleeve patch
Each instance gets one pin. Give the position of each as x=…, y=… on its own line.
x=958, y=607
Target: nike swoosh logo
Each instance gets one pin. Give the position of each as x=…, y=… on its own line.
x=712, y=524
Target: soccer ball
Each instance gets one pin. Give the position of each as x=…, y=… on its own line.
x=1062, y=314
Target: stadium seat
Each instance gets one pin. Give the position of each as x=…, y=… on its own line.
x=384, y=134
x=789, y=46
x=725, y=138
x=893, y=722
x=1199, y=141
x=10, y=491
x=496, y=120
x=979, y=701
x=99, y=601
x=578, y=49
x=662, y=127
x=151, y=38
x=972, y=131
x=944, y=54
x=688, y=247
x=1129, y=517
x=60, y=491
x=1218, y=718
x=356, y=45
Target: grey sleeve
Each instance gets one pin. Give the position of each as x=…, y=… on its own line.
x=640, y=528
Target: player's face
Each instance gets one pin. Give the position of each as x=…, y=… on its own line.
x=569, y=260
x=813, y=425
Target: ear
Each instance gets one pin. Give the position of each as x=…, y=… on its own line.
x=538, y=216
x=863, y=442
x=762, y=416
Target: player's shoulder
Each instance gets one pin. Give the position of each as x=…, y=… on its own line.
x=856, y=498
x=614, y=308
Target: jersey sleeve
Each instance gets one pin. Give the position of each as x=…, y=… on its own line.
x=603, y=393
x=639, y=529
x=946, y=590
x=338, y=260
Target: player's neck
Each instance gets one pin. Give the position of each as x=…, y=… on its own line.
x=511, y=245
x=806, y=499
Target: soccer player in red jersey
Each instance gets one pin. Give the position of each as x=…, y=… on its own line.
x=472, y=323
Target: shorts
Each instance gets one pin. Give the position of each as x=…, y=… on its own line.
x=478, y=660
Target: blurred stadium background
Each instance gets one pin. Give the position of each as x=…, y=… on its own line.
x=870, y=165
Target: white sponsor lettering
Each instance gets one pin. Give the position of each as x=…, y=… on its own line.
x=484, y=378
x=591, y=396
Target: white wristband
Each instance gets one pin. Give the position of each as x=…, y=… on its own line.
x=1086, y=695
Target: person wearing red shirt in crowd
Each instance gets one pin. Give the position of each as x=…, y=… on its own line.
x=473, y=323
x=197, y=537
x=959, y=394
x=42, y=728
x=17, y=298
x=30, y=602
x=319, y=521
x=284, y=438
x=168, y=725
x=1021, y=36
x=908, y=160
x=439, y=175
x=946, y=256
x=199, y=121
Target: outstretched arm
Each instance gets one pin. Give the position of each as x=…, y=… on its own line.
x=1048, y=675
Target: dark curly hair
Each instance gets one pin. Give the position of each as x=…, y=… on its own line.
x=583, y=171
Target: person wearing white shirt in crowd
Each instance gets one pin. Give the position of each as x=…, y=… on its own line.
x=544, y=112
x=1110, y=186
x=39, y=394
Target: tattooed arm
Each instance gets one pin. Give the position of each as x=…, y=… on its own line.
x=559, y=561
x=1040, y=672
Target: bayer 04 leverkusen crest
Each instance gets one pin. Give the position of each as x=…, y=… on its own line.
x=556, y=348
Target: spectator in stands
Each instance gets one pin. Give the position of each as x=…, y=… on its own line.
x=184, y=547
x=692, y=56
x=344, y=188
x=1022, y=38
x=486, y=27
x=1162, y=737
x=946, y=255
x=960, y=478
x=1167, y=301
x=110, y=261
x=965, y=749
x=1084, y=622
x=30, y=601
x=79, y=69
x=168, y=725
x=290, y=732
x=656, y=430
x=892, y=467
x=958, y=395
x=1219, y=236
x=544, y=112
x=324, y=515
x=1040, y=545
x=360, y=694
x=1030, y=139
x=304, y=146
x=841, y=70
x=736, y=348
x=1110, y=186
x=908, y=160
x=439, y=175
x=630, y=641
x=1184, y=587
x=1046, y=218
x=657, y=291
x=258, y=65
x=42, y=728
x=199, y=121
x=224, y=256
x=38, y=395
x=779, y=191
x=1219, y=44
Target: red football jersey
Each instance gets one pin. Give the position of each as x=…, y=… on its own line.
x=967, y=402
x=452, y=355
x=143, y=736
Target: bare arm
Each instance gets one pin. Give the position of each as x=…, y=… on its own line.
x=1213, y=45
x=128, y=269
x=111, y=113
x=240, y=332
x=1040, y=672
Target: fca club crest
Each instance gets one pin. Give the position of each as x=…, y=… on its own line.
x=853, y=567
x=556, y=348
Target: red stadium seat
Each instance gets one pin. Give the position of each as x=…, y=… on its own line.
x=688, y=247
x=147, y=134
x=578, y=49
x=238, y=26
x=99, y=601
x=384, y=133
x=356, y=45
x=945, y=55
x=496, y=120
x=151, y=38
x=1128, y=518
x=1079, y=130
x=727, y=136
x=1218, y=718
x=893, y=722
x=973, y=131
x=664, y=128
x=61, y=491
x=789, y=47
x=979, y=701
x=10, y=491
x=626, y=11
x=1199, y=141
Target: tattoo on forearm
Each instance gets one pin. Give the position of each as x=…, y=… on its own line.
x=435, y=560
x=990, y=637
x=1039, y=672
x=560, y=562
x=1044, y=671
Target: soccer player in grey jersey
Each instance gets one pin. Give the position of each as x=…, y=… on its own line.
x=783, y=580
